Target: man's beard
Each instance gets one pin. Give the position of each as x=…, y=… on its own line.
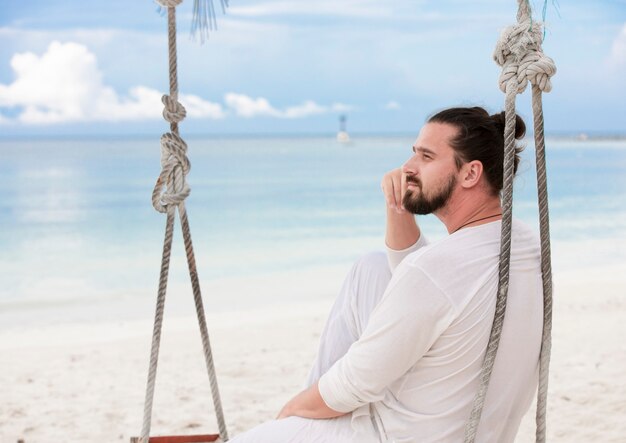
x=418, y=203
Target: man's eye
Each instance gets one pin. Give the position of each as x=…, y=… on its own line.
x=426, y=157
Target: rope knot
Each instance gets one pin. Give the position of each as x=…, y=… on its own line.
x=538, y=68
x=174, y=111
x=171, y=186
x=510, y=70
x=519, y=53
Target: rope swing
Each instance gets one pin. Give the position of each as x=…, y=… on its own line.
x=169, y=194
x=519, y=54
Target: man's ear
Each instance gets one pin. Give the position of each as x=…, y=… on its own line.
x=471, y=172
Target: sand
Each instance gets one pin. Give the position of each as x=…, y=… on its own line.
x=85, y=381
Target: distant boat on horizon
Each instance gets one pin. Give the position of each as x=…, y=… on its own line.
x=342, y=135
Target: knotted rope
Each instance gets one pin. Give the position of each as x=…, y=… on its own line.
x=519, y=54
x=169, y=193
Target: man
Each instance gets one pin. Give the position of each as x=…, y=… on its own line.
x=401, y=354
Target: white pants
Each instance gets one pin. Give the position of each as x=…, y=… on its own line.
x=361, y=291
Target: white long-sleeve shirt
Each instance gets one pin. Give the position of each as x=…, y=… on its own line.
x=413, y=374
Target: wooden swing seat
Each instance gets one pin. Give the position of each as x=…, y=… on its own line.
x=206, y=438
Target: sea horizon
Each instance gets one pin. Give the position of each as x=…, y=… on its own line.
x=194, y=135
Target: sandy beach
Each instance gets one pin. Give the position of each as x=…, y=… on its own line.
x=84, y=382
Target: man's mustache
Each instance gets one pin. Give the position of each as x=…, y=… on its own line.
x=414, y=180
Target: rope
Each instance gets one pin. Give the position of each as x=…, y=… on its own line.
x=158, y=322
x=519, y=53
x=546, y=267
x=169, y=193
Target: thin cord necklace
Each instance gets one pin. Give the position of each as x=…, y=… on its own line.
x=477, y=220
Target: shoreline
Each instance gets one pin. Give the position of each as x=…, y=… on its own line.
x=604, y=260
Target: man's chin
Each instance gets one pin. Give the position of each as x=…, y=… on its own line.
x=415, y=207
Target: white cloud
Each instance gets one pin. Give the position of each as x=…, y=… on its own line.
x=66, y=85
x=307, y=108
x=197, y=107
x=245, y=106
x=341, y=107
x=618, y=49
x=392, y=105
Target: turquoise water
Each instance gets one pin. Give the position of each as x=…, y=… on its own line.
x=76, y=221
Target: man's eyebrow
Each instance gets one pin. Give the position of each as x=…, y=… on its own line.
x=423, y=150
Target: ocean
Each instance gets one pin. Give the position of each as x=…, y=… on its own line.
x=78, y=232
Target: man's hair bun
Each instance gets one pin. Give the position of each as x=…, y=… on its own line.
x=480, y=136
x=520, y=126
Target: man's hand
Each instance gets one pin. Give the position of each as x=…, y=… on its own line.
x=402, y=230
x=308, y=404
x=394, y=186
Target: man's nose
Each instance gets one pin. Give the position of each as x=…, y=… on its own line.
x=410, y=166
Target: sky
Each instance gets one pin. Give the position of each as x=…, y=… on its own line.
x=79, y=67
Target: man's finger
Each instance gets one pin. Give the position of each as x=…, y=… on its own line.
x=388, y=191
x=404, y=186
x=398, y=192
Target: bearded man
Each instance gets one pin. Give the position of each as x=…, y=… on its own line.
x=401, y=353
